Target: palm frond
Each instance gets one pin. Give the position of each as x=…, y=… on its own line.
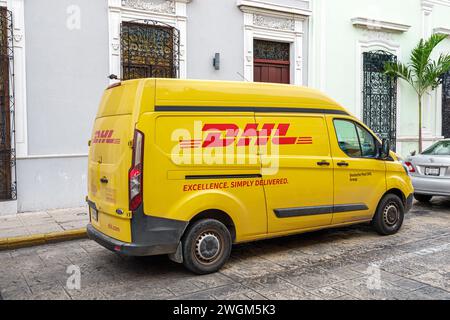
x=420, y=55
x=432, y=75
x=399, y=70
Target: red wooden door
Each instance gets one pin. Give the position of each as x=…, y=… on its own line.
x=271, y=71
x=271, y=61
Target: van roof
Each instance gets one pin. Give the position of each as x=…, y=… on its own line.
x=194, y=95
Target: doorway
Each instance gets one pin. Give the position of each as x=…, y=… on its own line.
x=271, y=61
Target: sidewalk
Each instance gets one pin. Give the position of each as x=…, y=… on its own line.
x=26, y=229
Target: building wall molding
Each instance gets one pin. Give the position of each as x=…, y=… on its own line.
x=171, y=12
x=260, y=22
x=53, y=156
x=255, y=6
x=442, y=30
x=373, y=24
x=428, y=5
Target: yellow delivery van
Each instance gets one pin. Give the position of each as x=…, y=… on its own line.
x=189, y=168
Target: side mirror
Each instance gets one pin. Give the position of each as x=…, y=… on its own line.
x=385, y=149
x=413, y=153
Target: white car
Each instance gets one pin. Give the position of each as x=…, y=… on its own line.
x=430, y=171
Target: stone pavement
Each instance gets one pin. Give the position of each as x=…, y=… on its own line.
x=31, y=223
x=347, y=263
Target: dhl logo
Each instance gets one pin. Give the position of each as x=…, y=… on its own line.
x=224, y=135
x=105, y=136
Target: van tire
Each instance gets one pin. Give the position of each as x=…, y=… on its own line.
x=206, y=246
x=389, y=216
x=422, y=197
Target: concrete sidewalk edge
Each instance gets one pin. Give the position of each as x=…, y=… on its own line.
x=40, y=239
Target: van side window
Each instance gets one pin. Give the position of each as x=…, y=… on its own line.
x=367, y=142
x=354, y=140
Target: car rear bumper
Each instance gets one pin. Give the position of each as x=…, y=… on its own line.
x=431, y=186
x=150, y=236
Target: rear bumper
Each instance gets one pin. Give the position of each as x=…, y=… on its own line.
x=129, y=249
x=150, y=236
x=431, y=186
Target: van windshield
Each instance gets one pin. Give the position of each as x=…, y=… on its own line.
x=441, y=148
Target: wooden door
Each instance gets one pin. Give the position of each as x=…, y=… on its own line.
x=271, y=71
x=271, y=62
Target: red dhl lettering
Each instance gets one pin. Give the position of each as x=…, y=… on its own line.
x=224, y=135
x=104, y=136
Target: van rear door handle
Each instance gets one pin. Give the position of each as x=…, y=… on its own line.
x=342, y=164
x=323, y=163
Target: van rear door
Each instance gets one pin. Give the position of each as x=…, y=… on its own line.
x=110, y=157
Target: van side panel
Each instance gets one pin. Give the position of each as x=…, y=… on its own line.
x=299, y=191
x=185, y=172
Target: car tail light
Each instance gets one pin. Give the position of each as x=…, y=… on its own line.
x=135, y=175
x=410, y=167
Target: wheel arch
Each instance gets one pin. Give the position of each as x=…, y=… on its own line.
x=218, y=215
x=399, y=193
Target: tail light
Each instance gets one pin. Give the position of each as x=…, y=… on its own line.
x=135, y=175
x=410, y=167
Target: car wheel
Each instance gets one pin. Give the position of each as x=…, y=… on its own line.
x=389, y=216
x=422, y=197
x=206, y=246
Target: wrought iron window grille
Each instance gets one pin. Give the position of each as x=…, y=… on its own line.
x=8, y=183
x=149, y=49
x=380, y=96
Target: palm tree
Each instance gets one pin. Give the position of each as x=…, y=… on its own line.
x=422, y=73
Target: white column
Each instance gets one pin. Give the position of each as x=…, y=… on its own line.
x=181, y=12
x=427, y=102
x=298, y=53
x=20, y=101
x=114, y=20
x=248, y=47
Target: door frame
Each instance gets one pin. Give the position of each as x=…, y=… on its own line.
x=375, y=45
x=442, y=96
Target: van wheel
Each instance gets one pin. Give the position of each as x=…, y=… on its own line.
x=422, y=197
x=206, y=246
x=389, y=216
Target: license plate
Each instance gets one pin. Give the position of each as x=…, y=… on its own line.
x=432, y=171
x=94, y=214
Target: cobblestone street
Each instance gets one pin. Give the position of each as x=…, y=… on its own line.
x=350, y=263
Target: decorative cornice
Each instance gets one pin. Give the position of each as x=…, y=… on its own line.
x=160, y=6
x=373, y=24
x=431, y=3
x=253, y=6
x=442, y=30
x=273, y=22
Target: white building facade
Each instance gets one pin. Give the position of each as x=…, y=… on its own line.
x=61, y=53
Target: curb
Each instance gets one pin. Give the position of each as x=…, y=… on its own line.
x=40, y=239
